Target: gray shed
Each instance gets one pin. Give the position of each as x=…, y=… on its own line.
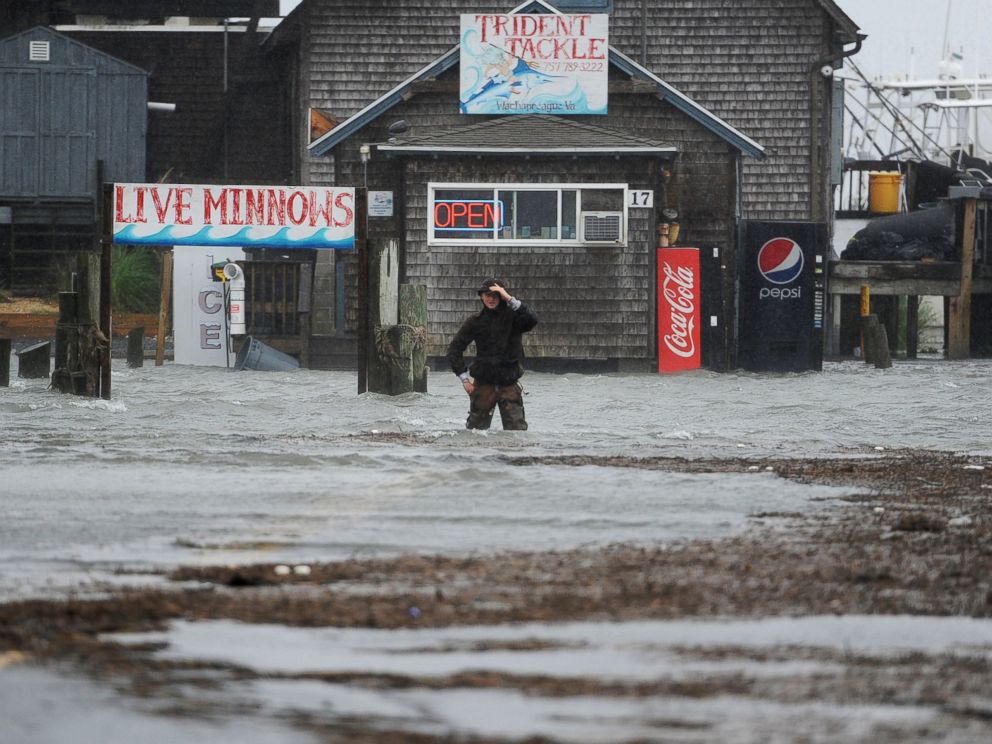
x=63, y=107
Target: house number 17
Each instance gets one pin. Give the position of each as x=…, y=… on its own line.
x=640, y=198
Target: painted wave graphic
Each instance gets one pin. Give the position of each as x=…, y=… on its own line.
x=250, y=237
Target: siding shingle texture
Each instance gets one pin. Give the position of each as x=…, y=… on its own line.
x=593, y=302
x=747, y=61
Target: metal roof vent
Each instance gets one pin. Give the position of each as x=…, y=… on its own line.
x=39, y=51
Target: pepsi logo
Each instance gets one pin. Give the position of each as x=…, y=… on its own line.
x=780, y=260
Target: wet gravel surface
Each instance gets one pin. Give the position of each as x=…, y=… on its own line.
x=913, y=538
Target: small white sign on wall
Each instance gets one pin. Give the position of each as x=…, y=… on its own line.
x=637, y=199
x=380, y=204
x=198, y=312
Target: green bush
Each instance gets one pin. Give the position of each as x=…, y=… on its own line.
x=135, y=279
x=926, y=317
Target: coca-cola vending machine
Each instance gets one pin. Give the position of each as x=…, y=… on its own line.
x=781, y=300
x=679, y=309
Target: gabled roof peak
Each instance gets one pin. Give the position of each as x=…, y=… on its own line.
x=530, y=134
x=532, y=6
x=449, y=59
x=36, y=32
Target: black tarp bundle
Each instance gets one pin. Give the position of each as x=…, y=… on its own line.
x=927, y=233
x=931, y=181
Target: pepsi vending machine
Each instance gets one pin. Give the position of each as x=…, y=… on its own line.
x=781, y=299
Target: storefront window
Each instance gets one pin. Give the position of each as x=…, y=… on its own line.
x=525, y=214
x=602, y=200
x=569, y=217
x=534, y=214
x=467, y=214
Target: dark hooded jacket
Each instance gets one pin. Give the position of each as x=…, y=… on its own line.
x=499, y=349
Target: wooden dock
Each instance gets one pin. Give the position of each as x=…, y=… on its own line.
x=912, y=278
x=956, y=281
x=42, y=325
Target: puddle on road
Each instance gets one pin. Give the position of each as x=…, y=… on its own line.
x=620, y=657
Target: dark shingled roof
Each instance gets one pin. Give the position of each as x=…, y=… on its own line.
x=532, y=134
x=449, y=59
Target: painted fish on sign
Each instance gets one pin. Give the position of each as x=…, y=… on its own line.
x=534, y=64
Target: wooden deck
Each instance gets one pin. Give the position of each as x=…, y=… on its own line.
x=34, y=325
x=912, y=278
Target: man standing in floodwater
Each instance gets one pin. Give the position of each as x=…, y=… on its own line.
x=499, y=354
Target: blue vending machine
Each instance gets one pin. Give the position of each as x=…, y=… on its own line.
x=781, y=295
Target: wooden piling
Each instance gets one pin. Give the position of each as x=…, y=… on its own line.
x=397, y=356
x=163, y=308
x=383, y=292
x=400, y=361
x=4, y=362
x=364, y=326
x=136, y=347
x=106, y=245
x=80, y=350
x=66, y=334
x=865, y=311
x=959, y=320
x=876, y=342
x=912, y=326
x=413, y=313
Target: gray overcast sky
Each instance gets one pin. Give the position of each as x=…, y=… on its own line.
x=895, y=27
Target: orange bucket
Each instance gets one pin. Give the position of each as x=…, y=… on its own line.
x=883, y=192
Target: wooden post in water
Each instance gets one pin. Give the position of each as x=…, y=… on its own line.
x=397, y=358
x=105, y=291
x=80, y=350
x=413, y=313
x=364, y=326
x=876, y=342
x=959, y=321
x=66, y=336
x=912, y=326
x=383, y=292
x=865, y=311
x=136, y=347
x=4, y=362
x=401, y=348
x=163, y=308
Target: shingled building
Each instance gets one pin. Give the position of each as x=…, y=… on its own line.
x=721, y=111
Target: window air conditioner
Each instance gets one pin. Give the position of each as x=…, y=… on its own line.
x=601, y=227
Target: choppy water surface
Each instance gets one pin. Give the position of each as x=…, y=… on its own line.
x=195, y=465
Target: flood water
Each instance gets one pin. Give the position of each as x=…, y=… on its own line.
x=190, y=465
x=205, y=465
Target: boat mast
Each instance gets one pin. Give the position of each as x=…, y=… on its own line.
x=947, y=30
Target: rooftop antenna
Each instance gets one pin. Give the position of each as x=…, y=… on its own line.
x=946, y=51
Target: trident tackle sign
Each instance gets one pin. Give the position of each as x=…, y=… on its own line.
x=248, y=216
x=534, y=64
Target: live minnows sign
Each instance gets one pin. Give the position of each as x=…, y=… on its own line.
x=248, y=216
x=534, y=64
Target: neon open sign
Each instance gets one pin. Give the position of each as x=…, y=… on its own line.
x=453, y=215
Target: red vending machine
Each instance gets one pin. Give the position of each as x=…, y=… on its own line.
x=679, y=309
